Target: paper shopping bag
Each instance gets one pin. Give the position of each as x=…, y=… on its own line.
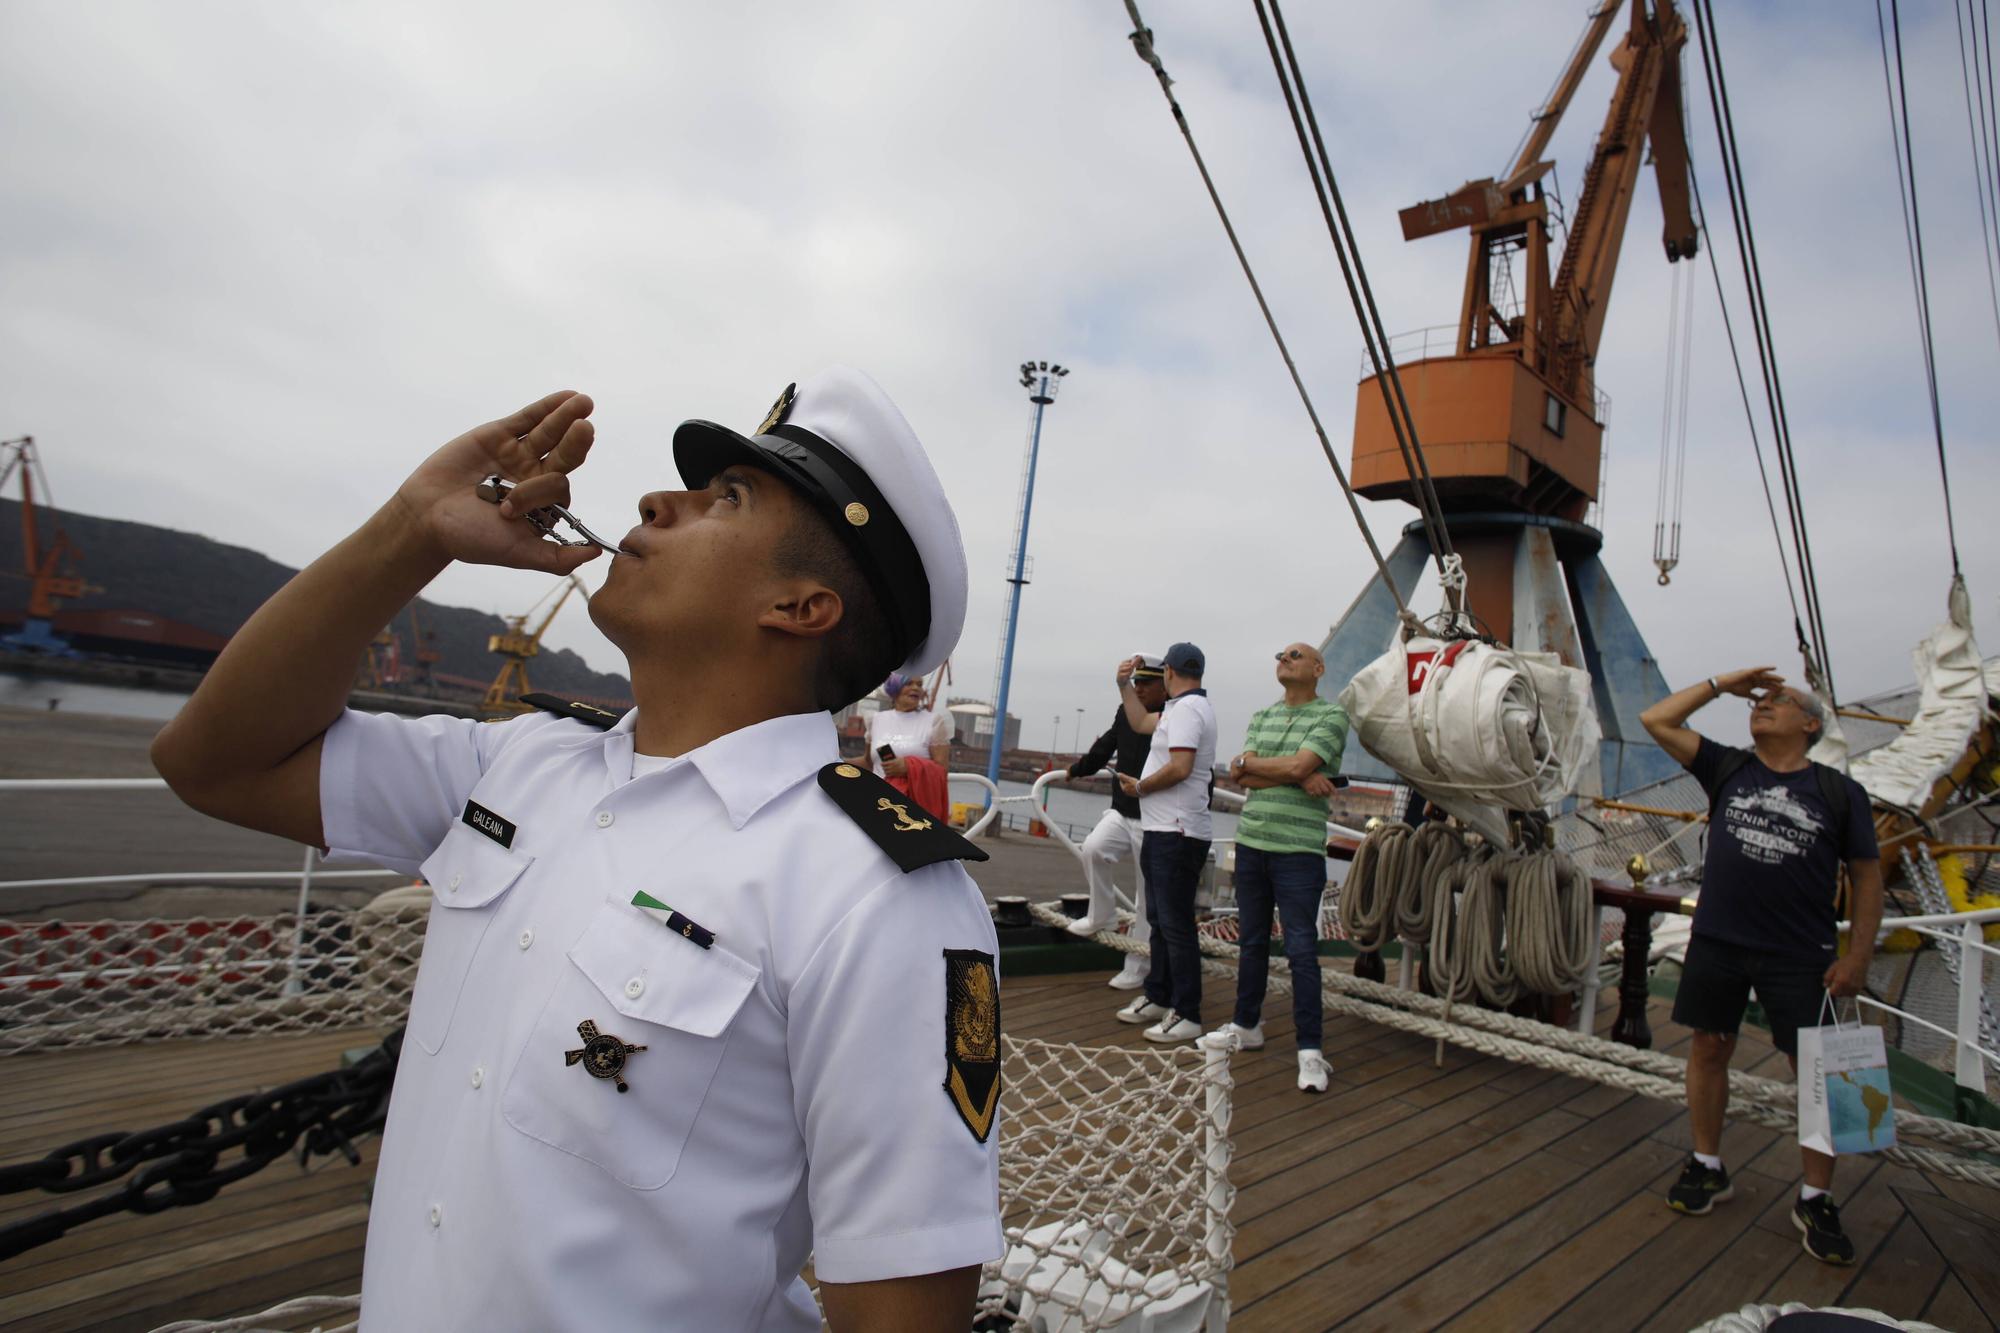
x=1844, y=1102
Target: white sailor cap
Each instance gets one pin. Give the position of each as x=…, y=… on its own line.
x=840, y=441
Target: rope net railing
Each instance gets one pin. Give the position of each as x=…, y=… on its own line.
x=1114, y=1188
x=1961, y=1151
x=95, y=983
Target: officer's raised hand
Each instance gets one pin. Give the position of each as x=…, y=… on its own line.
x=537, y=448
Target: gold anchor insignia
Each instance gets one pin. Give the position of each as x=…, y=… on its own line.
x=602, y=1055
x=904, y=822
x=779, y=410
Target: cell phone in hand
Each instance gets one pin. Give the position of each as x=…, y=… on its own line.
x=887, y=752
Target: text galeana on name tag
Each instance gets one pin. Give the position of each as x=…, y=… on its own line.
x=493, y=826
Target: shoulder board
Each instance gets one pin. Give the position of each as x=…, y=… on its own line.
x=911, y=835
x=589, y=714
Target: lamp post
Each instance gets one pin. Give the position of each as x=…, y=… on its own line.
x=1041, y=380
x=1076, y=737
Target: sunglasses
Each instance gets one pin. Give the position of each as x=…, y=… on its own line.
x=1289, y=655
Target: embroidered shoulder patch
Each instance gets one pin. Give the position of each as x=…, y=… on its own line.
x=589, y=714
x=972, y=1038
x=911, y=836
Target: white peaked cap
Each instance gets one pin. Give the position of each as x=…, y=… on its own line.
x=840, y=441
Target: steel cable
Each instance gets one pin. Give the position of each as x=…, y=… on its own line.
x=1142, y=43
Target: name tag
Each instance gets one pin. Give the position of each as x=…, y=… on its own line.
x=493, y=826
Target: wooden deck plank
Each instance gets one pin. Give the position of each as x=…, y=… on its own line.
x=1512, y=1276
x=1494, y=1194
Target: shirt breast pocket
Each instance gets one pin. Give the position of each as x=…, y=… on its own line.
x=469, y=873
x=636, y=985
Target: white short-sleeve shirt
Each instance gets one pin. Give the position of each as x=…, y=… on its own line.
x=790, y=1101
x=912, y=733
x=1187, y=724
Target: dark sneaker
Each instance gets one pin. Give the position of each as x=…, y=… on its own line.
x=1819, y=1220
x=1699, y=1189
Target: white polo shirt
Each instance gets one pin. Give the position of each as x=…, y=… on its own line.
x=908, y=734
x=791, y=1099
x=1187, y=724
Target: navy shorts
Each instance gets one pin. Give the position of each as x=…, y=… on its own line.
x=1718, y=977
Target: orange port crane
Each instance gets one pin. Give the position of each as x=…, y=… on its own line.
x=1509, y=415
x=517, y=645
x=52, y=571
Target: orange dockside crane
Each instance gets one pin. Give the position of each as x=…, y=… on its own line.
x=52, y=572
x=1506, y=406
x=517, y=645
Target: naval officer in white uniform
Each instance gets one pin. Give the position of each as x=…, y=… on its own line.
x=698, y=1002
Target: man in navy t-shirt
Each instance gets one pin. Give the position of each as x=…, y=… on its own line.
x=1780, y=827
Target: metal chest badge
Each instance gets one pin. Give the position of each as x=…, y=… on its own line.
x=602, y=1054
x=972, y=1038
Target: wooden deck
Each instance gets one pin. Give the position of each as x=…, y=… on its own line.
x=1478, y=1195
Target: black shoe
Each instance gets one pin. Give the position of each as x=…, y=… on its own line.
x=1819, y=1220
x=1699, y=1189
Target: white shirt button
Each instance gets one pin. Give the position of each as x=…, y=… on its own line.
x=634, y=988
x=478, y=1075
x=437, y=1215
x=604, y=819
x=456, y=880
x=527, y=938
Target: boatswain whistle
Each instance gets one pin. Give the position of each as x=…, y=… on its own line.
x=496, y=488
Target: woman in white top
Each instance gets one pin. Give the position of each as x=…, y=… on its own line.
x=908, y=728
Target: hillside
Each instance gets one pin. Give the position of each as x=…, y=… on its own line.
x=215, y=587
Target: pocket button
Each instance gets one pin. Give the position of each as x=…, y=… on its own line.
x=635, y=988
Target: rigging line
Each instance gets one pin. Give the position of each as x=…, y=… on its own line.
x=1743, y=389
x=1142, y=43
x=1361, y=272
x=1746, y=244
x=1988, y=218
x=1777, y=447
x=1907, y=165
x=1990, y=95
x=1363, y=298
x=1662, y=478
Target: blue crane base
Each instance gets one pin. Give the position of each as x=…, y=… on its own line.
x=1562, y=601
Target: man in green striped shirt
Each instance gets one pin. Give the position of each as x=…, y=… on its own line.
x=1290, y=756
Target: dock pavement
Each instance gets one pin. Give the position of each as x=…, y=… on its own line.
x=51, y=836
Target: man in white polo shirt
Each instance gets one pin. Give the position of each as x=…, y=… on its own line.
x=698, y=1001
x=1173, y=797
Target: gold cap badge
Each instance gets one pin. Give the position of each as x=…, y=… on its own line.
x=779, y=410
x=857, y=513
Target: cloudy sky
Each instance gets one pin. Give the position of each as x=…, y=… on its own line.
x=257, y=260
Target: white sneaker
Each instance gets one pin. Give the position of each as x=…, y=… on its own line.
x=1142, y=1010
x=1134, y=974
x=1085, y=927
x=1246, y=1039
x=1313, y=1070
x=1173, y=1028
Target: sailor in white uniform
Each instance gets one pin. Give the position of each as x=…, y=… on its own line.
x=698, y=1002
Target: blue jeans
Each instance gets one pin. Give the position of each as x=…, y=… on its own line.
x=1295, y=880
x=1172, y=863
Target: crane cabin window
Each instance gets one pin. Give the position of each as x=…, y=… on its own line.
x=1554, y=414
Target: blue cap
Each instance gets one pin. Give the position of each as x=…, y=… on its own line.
x=1186, y=659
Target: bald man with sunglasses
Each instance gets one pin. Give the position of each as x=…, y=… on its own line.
x=1291, y=753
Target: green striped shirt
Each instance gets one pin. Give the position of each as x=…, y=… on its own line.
x=1285, y=819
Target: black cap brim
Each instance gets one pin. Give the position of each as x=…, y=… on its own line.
x=835, y=486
